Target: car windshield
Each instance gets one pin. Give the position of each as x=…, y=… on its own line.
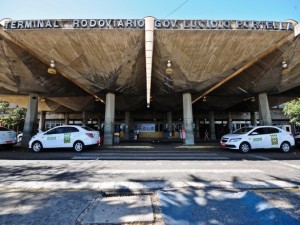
x=243, y=130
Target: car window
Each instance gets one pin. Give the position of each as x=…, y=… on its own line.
x=273, y=130
x=58, y=130
x=4, y=129
x=70, y=129
x=259, y=131
x=243, y=130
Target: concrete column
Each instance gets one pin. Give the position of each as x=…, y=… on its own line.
x=197, y=126
x=127, y=125
x=212, y=130
x=109, y=119
x=84, y=120
x=264, y=110
x=31, y=119
x=229, y=122
x=253, y=119
x=67, y=118
x=99, y=121
x=131, y=125
x=188, y=119
x=169, y=119
x=42, y=120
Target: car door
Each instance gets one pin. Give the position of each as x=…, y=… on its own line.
x=53, y=138
x=259, y=138
x=275, y=137
x=70, y=135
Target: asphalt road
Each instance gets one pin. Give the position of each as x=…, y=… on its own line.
x=192, y=185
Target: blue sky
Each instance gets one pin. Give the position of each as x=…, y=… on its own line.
x=271, y=10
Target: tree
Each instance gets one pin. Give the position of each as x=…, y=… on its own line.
x=12, y=117
x=3, y=106
x=292, y=111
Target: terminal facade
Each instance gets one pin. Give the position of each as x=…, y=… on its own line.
x=165, y=78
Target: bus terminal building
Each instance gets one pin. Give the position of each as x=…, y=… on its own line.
x=161, y=77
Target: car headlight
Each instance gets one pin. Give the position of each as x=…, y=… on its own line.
x=235, y=139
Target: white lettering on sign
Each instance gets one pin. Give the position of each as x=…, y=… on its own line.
x=158, y=24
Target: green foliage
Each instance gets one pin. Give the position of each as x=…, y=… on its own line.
x=12, y=117
x=292, y=111
x=3, y=106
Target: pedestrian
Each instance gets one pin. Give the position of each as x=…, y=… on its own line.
x=137, y=134
x=206, y=135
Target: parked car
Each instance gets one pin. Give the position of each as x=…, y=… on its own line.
x=260, y=137
x=20, y=136
x=66, y=136
x=297, y=140
x=7, y=137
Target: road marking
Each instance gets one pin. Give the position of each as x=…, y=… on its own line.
x=159, y=171
x=135, y=146
x=193, y=147
x=279, y=162
x=121, y=185
x=148, y=158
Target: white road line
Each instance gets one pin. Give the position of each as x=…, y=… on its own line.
x=149, y=157
x=278, y=162
x=160, y=171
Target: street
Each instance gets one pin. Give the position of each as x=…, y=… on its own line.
x=192, y=186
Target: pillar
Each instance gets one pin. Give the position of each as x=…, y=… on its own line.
x=197, y=124
x=188, y=119
x=253, y=119
x=212, y=130
x=229, y=122
x=99, y=122
x=109, y=119
x=66, y=118
x=30, y=119
x=264, y=110
x=84, y=121
x=169, y=120
x=42, y=120
x=127, y=125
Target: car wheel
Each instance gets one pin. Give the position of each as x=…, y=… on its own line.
x=285, y=147
x=78, y=146
x=37, y=146
x=245, y=147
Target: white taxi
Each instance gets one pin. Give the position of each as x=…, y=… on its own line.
x=7, y=137
x=260, y=137
x=66, y=136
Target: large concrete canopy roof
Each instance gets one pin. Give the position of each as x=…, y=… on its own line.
x=226, y=66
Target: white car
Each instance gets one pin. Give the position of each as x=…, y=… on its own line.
x=7, y=137
x=20, y=136
x=260, y=137
x=66, y=136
